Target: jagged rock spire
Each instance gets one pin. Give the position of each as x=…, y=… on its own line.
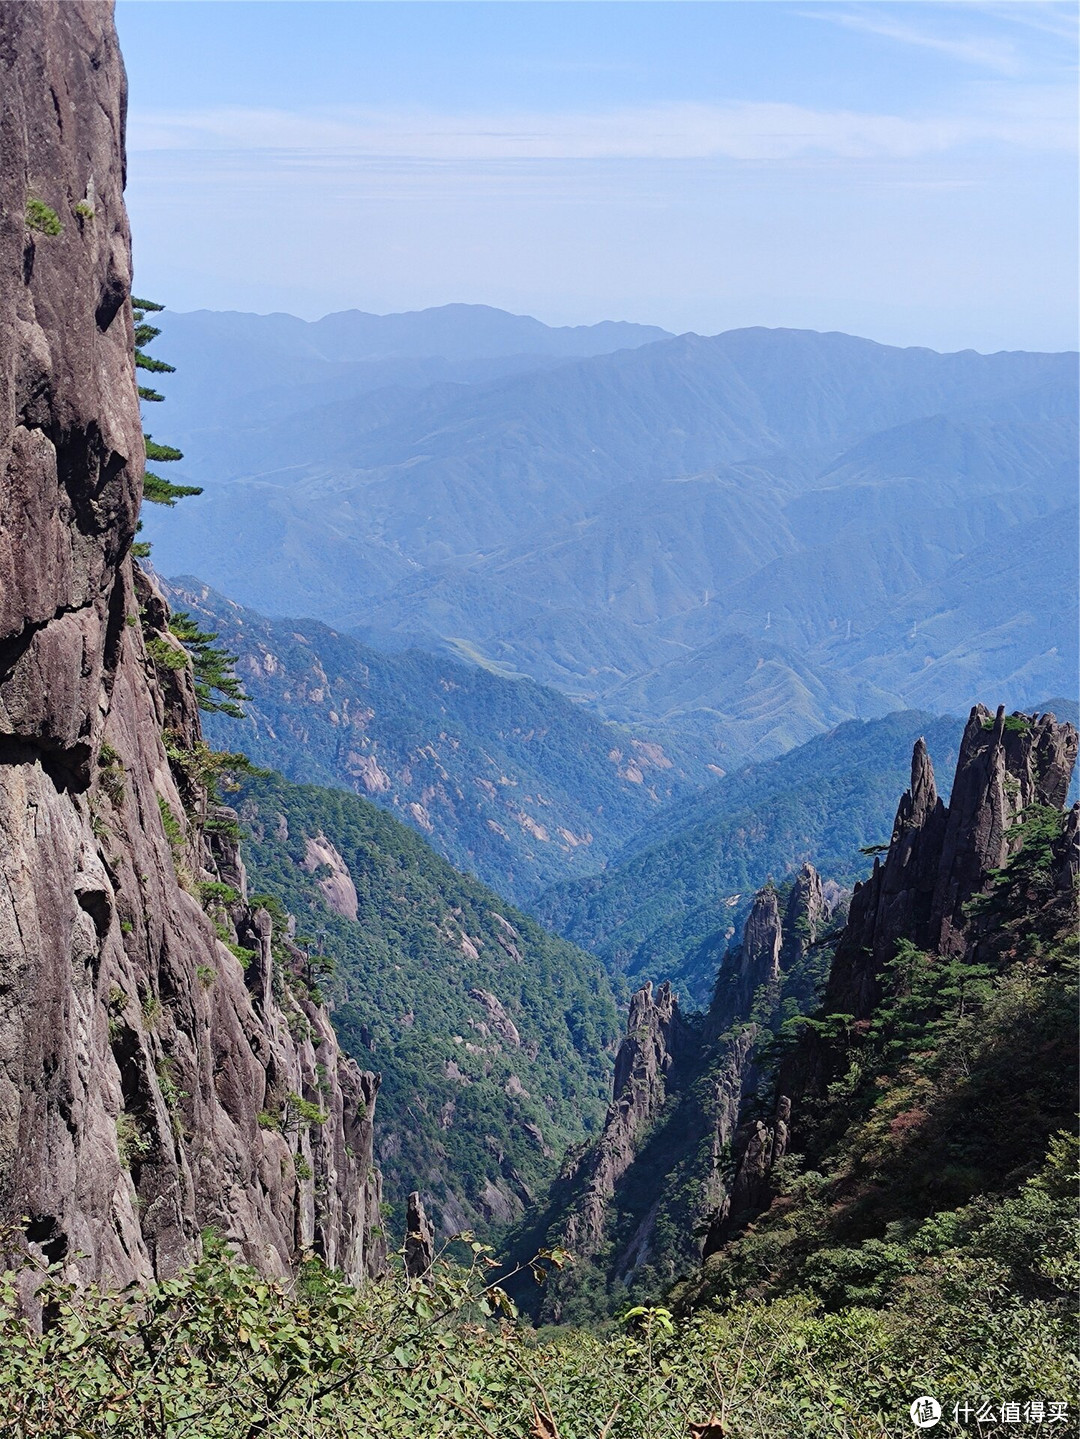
x=759, y=954
x=654, y=1037
x=1006, y=764
x=805, y=912
x=940, y=858
x=419, y=1238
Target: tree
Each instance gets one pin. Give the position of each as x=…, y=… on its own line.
x=156, y=488
x=216, y=687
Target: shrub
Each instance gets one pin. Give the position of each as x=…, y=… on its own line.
x=41, y=218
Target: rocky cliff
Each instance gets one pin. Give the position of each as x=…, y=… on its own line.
x=643, y=1065
x=950, y=896
x=940, y=857
x=944, y=1007
x=150, y=1084
x=637, y=1207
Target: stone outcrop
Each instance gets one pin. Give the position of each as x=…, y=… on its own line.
x=758, y=960
x=677, y=1129
x=150, y=1085
x=808, y=909
x=941, y=857
x=646, y=1057
x=419, y=1238
x=332, y=876
x=498, y=1021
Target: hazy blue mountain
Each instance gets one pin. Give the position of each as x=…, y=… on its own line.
x=278, y=363
x=505, y=778
x=746, y=537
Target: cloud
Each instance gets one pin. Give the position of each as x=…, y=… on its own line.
x=1036, y=118
x=1048, y=17
x=982, y=51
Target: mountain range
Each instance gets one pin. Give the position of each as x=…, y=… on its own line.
x=506, y=778
x=747, y=537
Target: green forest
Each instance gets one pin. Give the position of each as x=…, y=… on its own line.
x=475, y=1118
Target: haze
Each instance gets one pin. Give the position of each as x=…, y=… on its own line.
x=905, y=172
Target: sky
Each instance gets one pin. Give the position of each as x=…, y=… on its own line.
x=905, y=172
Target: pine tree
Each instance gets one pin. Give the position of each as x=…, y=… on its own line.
x=156, y=489
x=216, y=687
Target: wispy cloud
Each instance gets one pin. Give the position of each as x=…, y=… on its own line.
x=1041, y=120
x=1048, y=17
x=985, y=52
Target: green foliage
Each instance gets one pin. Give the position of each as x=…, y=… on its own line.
x=216, y=686
x=215, y=895
x=150, y=362
x=84, y=210
x=165, y=655
x=174, y=832
x=463, y=1113
x=140, y=308
x=111, y=774
x=41, y=218
x=131, y=1144
x=158, y=452
x=224, y=825
x=299, y=1113
x=160, y=491
x=170, y=1090
x=217, y=1352
x=156, y=489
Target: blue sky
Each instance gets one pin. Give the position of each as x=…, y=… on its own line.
x=903, y=171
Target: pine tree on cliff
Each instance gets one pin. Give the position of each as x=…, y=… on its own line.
x=156, y=489
x=217, y=689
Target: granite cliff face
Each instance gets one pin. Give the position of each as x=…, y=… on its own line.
x=925, y=893
x=939, y=858
x=150, y=1085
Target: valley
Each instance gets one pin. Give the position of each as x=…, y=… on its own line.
x=539, y=866
x=506, y=778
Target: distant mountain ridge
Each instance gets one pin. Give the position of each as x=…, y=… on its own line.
x=749, y=537
x=506, y=779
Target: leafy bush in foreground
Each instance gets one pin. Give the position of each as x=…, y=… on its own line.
x=220, y=1353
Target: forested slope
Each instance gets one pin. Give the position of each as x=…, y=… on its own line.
x=493, y=1039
